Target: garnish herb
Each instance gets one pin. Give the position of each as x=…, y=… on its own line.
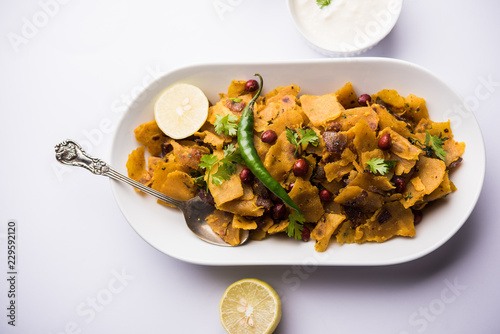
x=200, y=181
x=295, y=225
x=226, y=124
x=198, y=178
x=226, y=165
x=432, y=145
x=323, y=3
x=303, y=136
x=436, y=143
x=381, y=166
x=235, y=99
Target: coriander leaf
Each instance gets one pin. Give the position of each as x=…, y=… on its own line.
x=436, y=143
x=380, y=166
x=228, y=167
x=292, y=136
x=427, y=138
x=427, y=149
x=226, y=124
x=200, y=181
x=221, y=174
x=309, y=136
x=232, y=153
x=377, y=165
x=229, y=150
x=306, y=136
x=237, y=158
x=391, y=164
x=225, y=166
x=216, y=179
x=323, y=3
x=295, y=225
x=235, y=99
x=208, y=161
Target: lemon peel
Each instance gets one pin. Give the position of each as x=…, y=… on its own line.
x=181, y=110
x=250, y=306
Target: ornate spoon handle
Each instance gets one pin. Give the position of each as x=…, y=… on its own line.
x=70, y=153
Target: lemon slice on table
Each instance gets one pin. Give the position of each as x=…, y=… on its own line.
x=250, y=306
x=181, y=110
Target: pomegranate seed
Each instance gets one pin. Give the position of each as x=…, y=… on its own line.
x=400, y=184
x=417, y=216
x=251, y=85
x=246, y=175
x=269, y=136
x=306, y=234
x=279, y=211
x=300, y=167
x=325, y=195
x=385, y=142
x=364, y=99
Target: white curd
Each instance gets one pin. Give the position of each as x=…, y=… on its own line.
x=345, y=26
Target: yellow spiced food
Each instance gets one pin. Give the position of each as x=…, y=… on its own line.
x=360, y=168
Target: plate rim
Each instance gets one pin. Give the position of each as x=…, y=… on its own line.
x=384, y=60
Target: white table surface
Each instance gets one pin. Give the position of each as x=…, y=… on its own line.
x=80, y=266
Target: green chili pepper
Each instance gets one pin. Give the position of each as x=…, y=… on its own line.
x=250, y=156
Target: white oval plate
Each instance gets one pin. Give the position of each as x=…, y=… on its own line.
x=165, y=229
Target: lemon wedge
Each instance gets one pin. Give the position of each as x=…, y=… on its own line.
x=250, y=306
x=181, y=110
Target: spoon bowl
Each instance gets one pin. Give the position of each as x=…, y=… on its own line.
x=195, y=210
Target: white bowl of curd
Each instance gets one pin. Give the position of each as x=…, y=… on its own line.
x=344, y=27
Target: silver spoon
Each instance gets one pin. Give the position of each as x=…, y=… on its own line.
x=195, y=210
